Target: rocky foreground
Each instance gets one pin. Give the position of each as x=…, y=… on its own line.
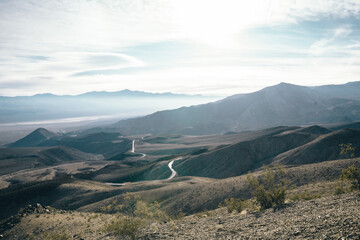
x=335, y=217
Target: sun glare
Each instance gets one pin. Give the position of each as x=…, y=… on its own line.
x=216, y=22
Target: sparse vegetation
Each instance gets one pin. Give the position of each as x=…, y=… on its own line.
x=350, y=174
x=180, y=215
x=304, y=196
x=56, y=236
x=234, y=204
x=125, y=226
x=347, y=150
x=340, y=189
x=205, y=213
x=133, y=215
x=270, y=188
x=150, y=211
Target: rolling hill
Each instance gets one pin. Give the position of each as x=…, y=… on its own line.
x=16, y=159
x=33, y=139
x=108, y=144
x=323, y=148
x=287, y=145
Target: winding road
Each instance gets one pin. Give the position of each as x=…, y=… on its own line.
x=133, y=149
x=173, y=172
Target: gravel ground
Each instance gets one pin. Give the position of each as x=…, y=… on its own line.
x=335, y=217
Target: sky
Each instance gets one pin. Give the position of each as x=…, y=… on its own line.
x=207, y=47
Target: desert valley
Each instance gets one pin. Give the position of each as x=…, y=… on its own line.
x=181, y=119
x=190, y=161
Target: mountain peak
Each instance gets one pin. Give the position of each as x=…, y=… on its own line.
x=287, y=85
x=44, y=132
x=34, y=138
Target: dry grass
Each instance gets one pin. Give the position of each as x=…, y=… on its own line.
x=60, y=226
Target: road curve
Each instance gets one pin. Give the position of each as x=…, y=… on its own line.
x=133, y=149
x=173, y=172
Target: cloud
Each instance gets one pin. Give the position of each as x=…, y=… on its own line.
x=339, y=42
x=60, y=66
x=65, y=46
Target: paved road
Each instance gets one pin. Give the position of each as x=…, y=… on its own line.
x=133, y=146
x=173, y=172
x=133, y=149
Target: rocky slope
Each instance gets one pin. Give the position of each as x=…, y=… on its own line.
x=335, y=217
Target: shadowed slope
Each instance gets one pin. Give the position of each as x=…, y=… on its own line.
x=12, y=160
x=34, y=138
x=245, y=156
x=109, y=144
x=321, y=149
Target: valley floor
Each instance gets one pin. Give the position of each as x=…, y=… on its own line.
x=332, y=217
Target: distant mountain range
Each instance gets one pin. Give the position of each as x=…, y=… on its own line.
x=125, y=103
x=283, y=104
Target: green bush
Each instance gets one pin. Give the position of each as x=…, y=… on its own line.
x=352, y=175
x=347, y=150
x=269, y=189
x=125, y=226
x=234, y=204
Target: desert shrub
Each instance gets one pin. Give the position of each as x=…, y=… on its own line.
x=132, y=216
x=203, y=214
x=234, y=204
x=125, y=226
x=342, y=187
x=339, y=190
x=173, y=226
x=352, y=175
x=180, y=215
x=150, y=211
x=270, y=188
x=304, y=196
x=56, y=236
x=128, y=206
x=347, y=150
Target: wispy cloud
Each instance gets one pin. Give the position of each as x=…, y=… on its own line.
x=330, y=43
x=75, y=46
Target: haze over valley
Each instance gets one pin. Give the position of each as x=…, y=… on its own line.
x=179, y=119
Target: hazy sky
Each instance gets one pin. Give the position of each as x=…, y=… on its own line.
x=196, y=47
